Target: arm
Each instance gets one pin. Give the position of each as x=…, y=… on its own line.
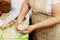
x=52, y=20
x=48, y=22
x=24, y=10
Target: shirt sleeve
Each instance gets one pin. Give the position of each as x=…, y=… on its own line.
x=56, y=1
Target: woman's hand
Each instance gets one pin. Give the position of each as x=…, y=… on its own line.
x=18, y=22
x=28, y=29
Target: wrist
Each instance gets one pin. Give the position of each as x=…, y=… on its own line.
x=37, y=25
x=20, y=18
x=34, y=26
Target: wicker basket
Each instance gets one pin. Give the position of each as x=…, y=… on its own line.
x=5, y=6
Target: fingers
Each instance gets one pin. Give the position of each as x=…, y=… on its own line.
x=27, y=30
x=16, y=25
x=18, y=22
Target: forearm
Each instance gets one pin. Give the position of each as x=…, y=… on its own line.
x=24, y=10
x=48, y=22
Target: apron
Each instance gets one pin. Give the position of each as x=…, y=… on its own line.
x=39, y=14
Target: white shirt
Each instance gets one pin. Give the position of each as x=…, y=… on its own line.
x=49, y=5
